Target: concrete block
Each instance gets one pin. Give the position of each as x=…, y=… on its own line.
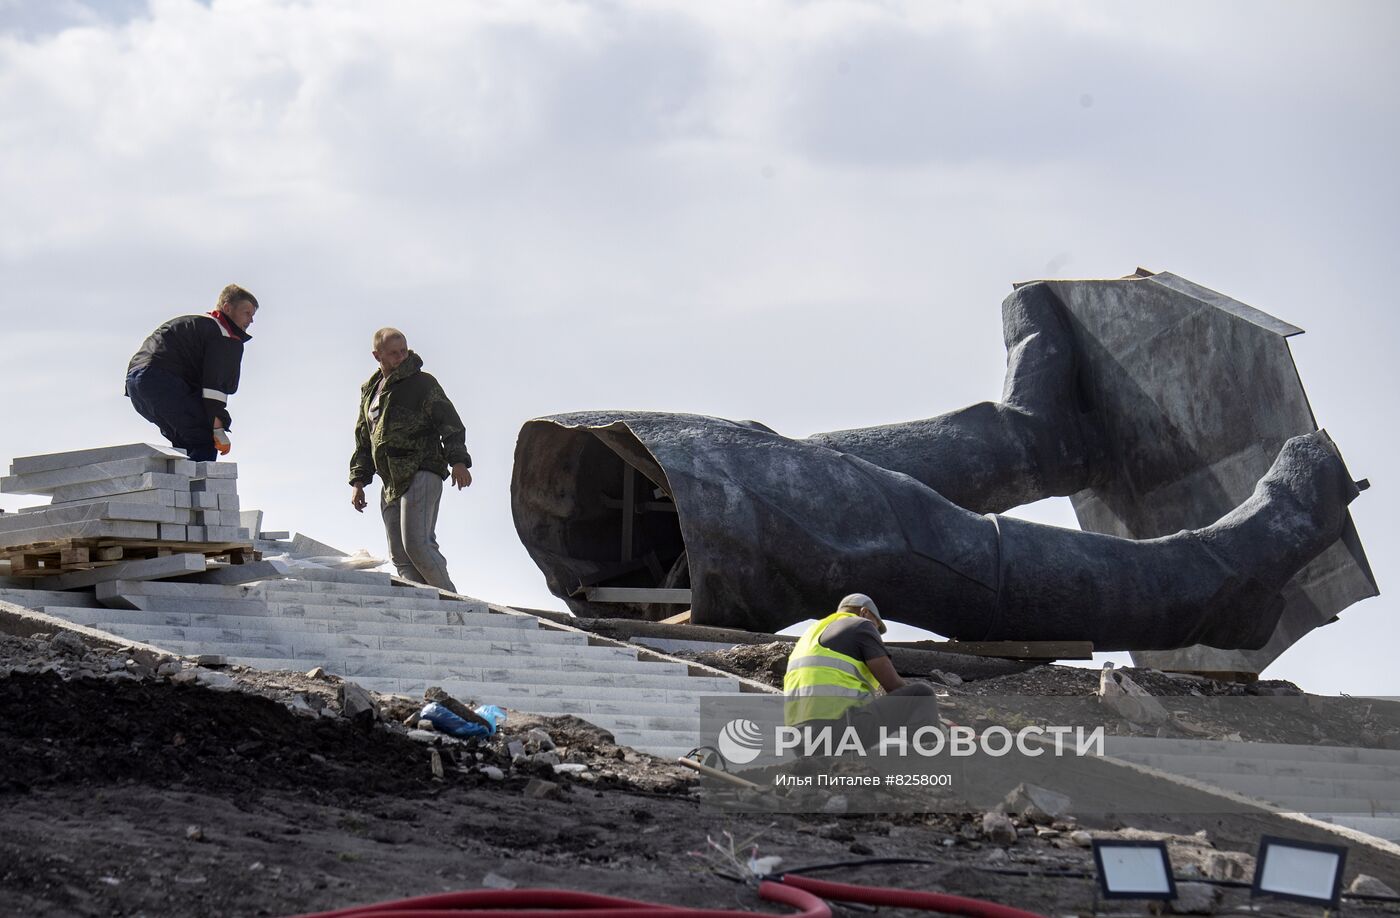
x=306, y=547
x=122, y=485
x=229, y=503
x=251, y=520
x=224, y=519
x=215, y=485
x=204, y=500
x=173, y=532
x=149, y=569
x=221, y=533
x=245, y=535
x=87, y=529
x=274, y=536
x=47, y=482
x=195, y=533
x=183, y=499
x=215, y=470
x=29, y=465
x=164, y=498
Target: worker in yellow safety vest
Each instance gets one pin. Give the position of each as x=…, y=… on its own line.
x=840, y=664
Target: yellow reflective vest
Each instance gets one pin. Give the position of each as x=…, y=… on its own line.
x=822, y=684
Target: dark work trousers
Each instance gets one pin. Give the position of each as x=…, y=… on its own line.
x=174, y=406
x=411, y=526
x=913, y=706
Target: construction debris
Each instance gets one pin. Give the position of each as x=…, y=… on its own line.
x=1119, y=692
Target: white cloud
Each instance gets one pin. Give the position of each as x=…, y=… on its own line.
x=693, y=206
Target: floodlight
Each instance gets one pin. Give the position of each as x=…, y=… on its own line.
x=1298, y=870
x=1134, y=869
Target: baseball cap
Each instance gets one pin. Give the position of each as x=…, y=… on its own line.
x=861, y=601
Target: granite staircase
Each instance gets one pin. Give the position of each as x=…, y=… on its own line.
x=1344, y=785
x=392, y=637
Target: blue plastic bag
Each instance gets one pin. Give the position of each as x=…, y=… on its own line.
x=447, y=722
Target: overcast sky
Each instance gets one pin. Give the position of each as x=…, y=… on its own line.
x=804, y=213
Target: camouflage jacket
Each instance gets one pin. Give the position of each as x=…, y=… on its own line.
x=417, y=429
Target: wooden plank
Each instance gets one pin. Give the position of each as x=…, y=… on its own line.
x=71, y=556
x=637, y=594
x=680, y=618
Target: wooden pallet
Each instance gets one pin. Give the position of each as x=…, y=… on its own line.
x=62, y=556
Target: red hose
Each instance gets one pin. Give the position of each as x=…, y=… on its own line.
x=906, y=898
x=563, y=903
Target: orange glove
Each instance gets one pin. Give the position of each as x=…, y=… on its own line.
x=221, y=441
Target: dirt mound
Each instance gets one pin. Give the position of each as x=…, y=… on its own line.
x=99, y=731
x=766, y=663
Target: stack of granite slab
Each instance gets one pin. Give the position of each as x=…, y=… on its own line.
x=133, y=491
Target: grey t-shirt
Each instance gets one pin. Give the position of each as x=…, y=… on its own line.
x=854, y=637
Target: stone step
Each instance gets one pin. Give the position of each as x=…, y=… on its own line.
x=479, y=626
x=405, y=600
x=1382, y=795
x=1361, y=806
x=566, y=685
x=1386, y=827
x=334, y=588
x=447, y=614
x=1267, y=769
x=302, y=642
x=39, y=599
x=278, y=569
x=494, y=653
x=519, y=684
x=1120, y=746
x=335, y=575
x=222, y=598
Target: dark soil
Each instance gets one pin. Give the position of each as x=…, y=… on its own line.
x=123, y=793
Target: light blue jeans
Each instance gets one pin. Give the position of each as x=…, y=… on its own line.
x=410, y=523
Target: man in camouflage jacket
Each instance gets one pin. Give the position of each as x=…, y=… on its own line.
x=409, y=433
